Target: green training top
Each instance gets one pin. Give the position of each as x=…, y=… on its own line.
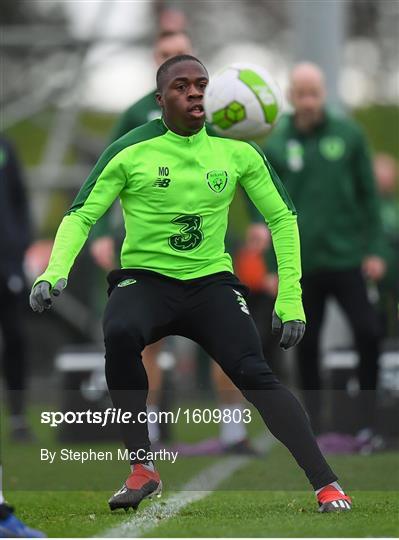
x=175, y=194
x=328, y=174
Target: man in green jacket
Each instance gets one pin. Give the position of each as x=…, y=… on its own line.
x=324, y=163
x=176, y=181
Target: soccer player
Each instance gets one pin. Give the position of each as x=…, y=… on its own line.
x=233, y=437
x=176, y=180
x=323, y=160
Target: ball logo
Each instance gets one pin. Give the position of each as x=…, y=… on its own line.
x=217, y=180
x=233, y=113
x=264, y=94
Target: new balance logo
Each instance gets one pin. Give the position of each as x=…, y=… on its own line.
x=162, y=181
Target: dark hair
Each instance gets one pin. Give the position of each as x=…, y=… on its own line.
x=164, y=68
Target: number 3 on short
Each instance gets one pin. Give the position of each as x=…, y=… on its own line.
x=190, y=235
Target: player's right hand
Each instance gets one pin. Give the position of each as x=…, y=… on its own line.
x=42, y=293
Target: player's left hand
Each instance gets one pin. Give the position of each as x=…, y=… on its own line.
x=292, y=331
x=42, y=294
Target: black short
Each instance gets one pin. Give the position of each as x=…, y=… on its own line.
x=210, y=310
x=117, y=276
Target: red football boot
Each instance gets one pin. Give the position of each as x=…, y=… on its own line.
x=142, y=483
x=331, y=499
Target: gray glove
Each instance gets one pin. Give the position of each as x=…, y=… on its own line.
x=41, y=295
x=292, y=331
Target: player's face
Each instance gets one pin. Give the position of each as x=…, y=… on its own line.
x=307, y=98
x=182, y=97
x=172, y=46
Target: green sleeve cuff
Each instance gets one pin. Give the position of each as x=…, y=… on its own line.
x=289, y=310
x=47, y=276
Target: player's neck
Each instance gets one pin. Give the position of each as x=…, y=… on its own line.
x=179, y=130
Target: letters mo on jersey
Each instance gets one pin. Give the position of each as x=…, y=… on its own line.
x=162, y=181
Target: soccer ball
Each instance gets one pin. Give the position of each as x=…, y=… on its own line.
x=243, y=101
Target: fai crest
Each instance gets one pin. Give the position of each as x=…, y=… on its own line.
x=217, y=180
x=332, y=148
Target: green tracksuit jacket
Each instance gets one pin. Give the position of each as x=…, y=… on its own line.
x=175, y=194
x=141, y=112
x=329, y=177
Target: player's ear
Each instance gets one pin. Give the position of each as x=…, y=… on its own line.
x=158, y=97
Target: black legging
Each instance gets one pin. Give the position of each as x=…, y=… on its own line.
x=14, y=353
x=212, y=312
x=261, y=307
x=349, y=289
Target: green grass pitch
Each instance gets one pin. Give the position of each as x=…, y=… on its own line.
x=268, y=497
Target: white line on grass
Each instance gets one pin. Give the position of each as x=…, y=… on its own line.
x=196, y=489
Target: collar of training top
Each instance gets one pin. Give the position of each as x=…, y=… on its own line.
x=190, y=139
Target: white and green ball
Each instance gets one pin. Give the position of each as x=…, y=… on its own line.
x=243, y=101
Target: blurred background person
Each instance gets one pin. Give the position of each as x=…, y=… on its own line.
x=386, y=174
x=323, y=160
x=14, y=240
x=233, y=435
x=251, y=268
